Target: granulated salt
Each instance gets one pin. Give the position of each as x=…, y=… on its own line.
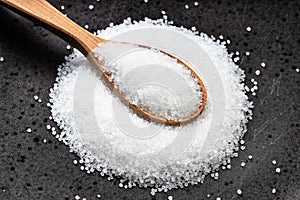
x=175, y=94
x=257, y=72
x=243, y=164
x=77, y=197
x=112, y=140
x=239, y=191
x=91, y=7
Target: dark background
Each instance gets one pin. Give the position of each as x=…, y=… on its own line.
x=31, y=169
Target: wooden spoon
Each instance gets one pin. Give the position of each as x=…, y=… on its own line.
x=46, y=15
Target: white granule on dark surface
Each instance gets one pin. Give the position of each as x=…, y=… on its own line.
x=115, y=142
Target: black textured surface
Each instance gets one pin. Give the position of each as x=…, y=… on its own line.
x=31, y=169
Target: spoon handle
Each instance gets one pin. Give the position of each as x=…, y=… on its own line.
x=46, y=15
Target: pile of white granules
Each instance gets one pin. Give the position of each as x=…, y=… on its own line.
x=151, y=80
x=113, y=141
